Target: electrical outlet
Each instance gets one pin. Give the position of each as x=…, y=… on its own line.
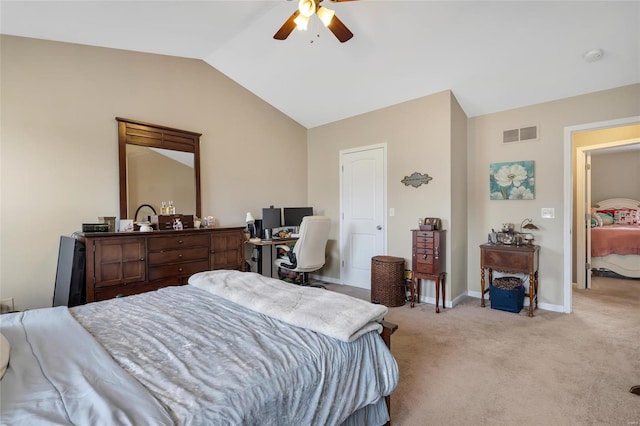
x=6, y=305
x=548, y=213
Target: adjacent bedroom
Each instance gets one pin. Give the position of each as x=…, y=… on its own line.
x=614, y=237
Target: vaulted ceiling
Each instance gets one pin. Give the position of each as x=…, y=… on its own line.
x=494, y=56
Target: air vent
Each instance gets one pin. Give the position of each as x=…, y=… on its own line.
x=529, y=133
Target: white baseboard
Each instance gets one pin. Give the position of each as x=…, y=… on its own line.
x=460, y=298
x=545, y=306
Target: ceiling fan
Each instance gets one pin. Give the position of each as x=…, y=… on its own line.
x=306, y=9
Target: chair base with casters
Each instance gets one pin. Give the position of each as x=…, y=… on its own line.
x=298, y=278
x=308, y=253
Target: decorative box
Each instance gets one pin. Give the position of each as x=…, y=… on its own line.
x=166, y=221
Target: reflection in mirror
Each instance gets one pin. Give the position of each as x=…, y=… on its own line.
x=146, y=210
x=155, y=175
x=156, y=164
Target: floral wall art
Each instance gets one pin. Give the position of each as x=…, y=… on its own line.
x=511, y=181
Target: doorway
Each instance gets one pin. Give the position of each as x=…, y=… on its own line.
x=363, y=227
x=577, y=171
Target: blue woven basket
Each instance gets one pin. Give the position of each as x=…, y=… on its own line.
x=507, y=300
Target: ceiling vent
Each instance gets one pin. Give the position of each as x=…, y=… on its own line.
x=529, y=133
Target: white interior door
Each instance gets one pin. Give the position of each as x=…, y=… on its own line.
x=583, y=218
x=363, y=203
x=587, y=218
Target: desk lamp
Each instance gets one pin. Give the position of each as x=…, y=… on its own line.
x=529, y=226
x=251, y=225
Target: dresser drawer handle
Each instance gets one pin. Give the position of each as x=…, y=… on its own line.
x=424, y=256
x=141, y=259
x=179, y=269
x=180, y=256
x=180, y=241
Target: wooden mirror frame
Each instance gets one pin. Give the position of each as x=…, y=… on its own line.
x=133, y=132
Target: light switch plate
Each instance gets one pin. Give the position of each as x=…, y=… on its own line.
x=548, y=212
x=392, y=212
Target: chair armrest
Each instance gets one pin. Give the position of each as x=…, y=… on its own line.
x=283, y=247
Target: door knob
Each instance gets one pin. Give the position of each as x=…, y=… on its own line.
x=379, y=227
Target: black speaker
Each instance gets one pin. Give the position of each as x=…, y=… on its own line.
x=70, y=286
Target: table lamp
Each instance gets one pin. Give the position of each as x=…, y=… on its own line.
x=251, y=225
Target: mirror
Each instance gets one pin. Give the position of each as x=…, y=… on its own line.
x=157, y=164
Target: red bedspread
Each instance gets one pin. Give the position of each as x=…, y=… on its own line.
x=615, y=239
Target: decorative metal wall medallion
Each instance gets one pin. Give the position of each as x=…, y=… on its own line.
x=416, y=179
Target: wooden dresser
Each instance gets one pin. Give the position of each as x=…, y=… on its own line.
x=428, y=262
x=126, y=263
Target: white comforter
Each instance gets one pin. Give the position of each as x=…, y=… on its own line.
x=333, y=314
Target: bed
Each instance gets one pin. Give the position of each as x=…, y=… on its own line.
x=228, y=348
x=615, y=237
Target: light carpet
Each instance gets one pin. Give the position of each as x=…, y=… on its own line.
x=479, y=366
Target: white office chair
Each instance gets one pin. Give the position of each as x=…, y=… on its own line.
x=308, y=253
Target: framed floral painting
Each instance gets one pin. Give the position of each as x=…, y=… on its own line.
x=512, y=181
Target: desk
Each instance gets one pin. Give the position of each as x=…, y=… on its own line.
x=511, y=259
x=267, y=254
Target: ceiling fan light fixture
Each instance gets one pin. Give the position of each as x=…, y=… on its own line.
x=307, y=7
x=325, y=15
x=301, y=22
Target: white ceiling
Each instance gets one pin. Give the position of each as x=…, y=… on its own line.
x=493, y=55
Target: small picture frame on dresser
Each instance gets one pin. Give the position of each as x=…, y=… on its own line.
x=126, y=225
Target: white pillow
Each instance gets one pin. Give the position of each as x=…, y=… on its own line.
x=5, y=349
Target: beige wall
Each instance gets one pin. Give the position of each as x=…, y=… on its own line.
x=615, y=175
x=485, y=147
x=457, y=283
x=59, y=165
x=421, y=136
x=58, y=141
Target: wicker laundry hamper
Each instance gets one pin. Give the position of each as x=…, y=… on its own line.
x=387, y=281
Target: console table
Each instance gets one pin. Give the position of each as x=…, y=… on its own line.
x=510, y=259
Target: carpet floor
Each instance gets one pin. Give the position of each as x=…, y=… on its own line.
x=479, y=366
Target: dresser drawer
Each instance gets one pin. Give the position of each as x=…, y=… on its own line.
x=177, y=241
x=425, y=234
x=178, y=255
x=424, y=254
x=427, y=268
x=177, y=269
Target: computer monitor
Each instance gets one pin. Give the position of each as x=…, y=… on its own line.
x=271, y=218
x=293, y=215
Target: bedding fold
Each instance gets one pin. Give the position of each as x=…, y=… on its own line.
x=61, y=375
x=335, y=315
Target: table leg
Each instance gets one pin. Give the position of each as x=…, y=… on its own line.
x=437, y=281
x=442, y=285
x=535, y=275
x=482, y=286
x=412, y=291
x=532, y=286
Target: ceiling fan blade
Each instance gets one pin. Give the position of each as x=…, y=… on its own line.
x=339, y=29
x=287, y=27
